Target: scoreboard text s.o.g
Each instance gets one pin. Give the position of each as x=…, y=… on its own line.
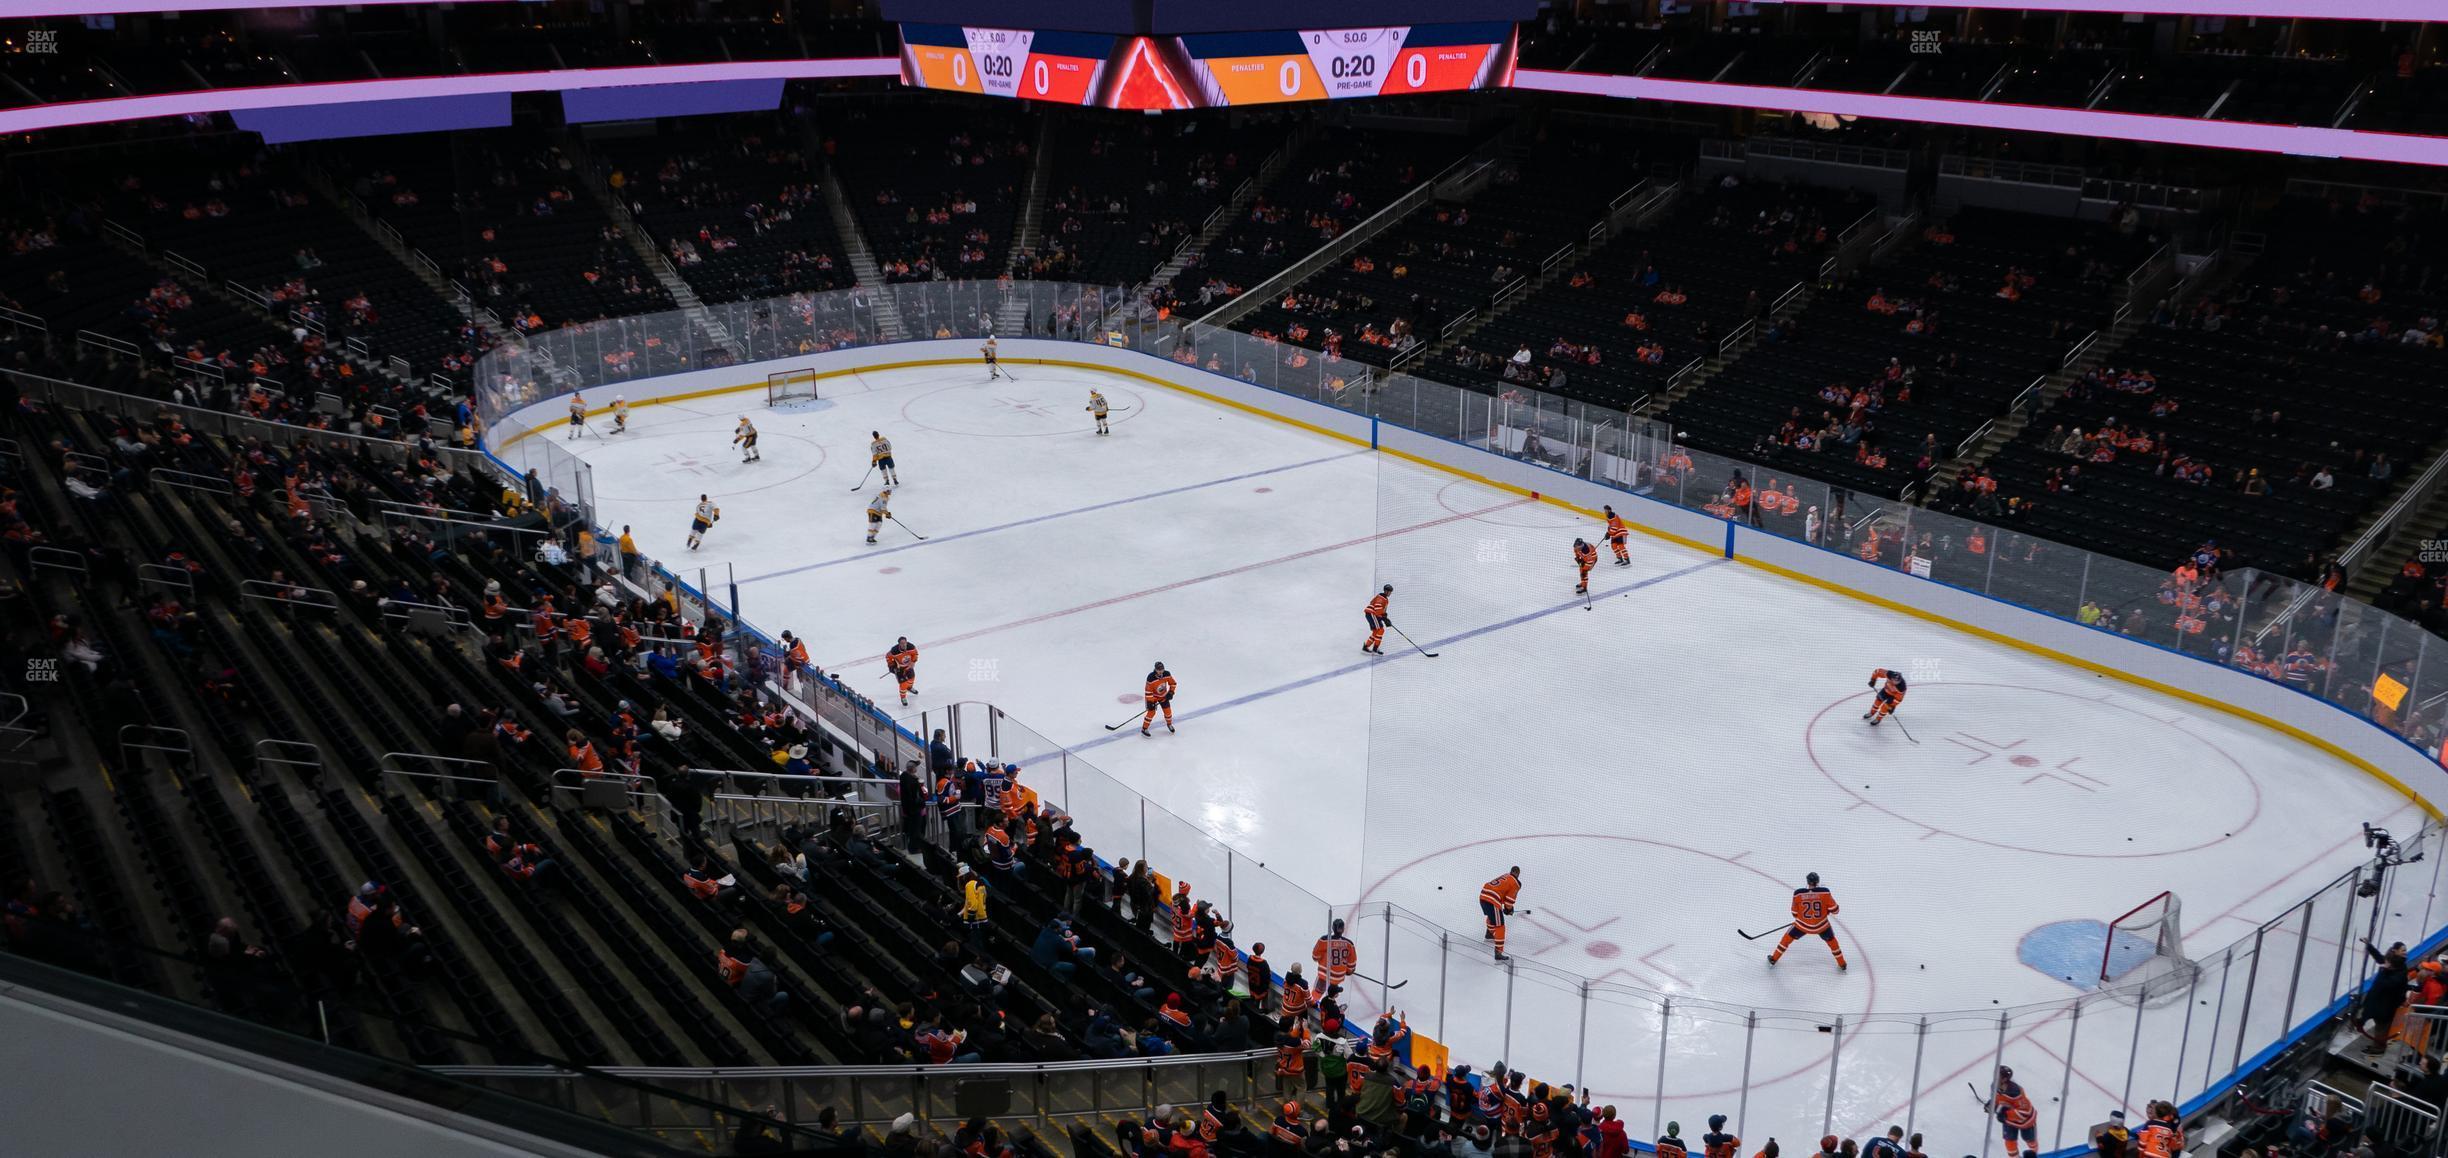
x=1208, y=70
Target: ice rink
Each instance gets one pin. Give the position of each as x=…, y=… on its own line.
x=1664, y=765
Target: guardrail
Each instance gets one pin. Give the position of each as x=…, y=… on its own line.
x=1785, y=299
x=2416, y=494
x=1675, y=379
x=23, y=320
x=1562, y=254
x=2080, y=348
x=194, y=269
x=108, y=344
x=1740, y=332
x=184, y=364
x=2029, y=395
x=124, y=233
x=211, y=484
x=1974, y=439
x=1510, y=288
x=289, y=594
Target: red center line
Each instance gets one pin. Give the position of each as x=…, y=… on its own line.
x=1178, y=584
x=2036, y=1026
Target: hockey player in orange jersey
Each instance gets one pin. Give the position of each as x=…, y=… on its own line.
x=1378, y=621
x=1496, y=902
x=902, y=658
x=2017, y=1120
x=1812, y=907
x=1889, y=697
x=1617, y=535
x=1584, y=557
x=1160, y=688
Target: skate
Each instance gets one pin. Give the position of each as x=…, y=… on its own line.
x=1840, y=967
x=1772, y=958
x=1874, y=720
x=1168, y=725
x=1501, y=956
x=1145, y=732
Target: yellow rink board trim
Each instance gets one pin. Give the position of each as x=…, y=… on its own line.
x=1997, y=637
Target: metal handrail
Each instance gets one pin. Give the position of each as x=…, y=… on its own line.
x=976, y=1069
x=296, y=594
x=119, y=346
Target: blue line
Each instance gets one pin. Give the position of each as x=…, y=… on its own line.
x=1347, y=669
x=1108, y=505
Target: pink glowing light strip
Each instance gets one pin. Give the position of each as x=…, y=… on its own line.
x=2301, y=140
x=29, y=8
x=2406, y=10
x=54, y=116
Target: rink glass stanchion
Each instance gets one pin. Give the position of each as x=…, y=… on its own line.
x=2267, y=985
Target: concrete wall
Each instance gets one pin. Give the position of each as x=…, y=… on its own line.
x=2335, y=730
x=78, y=1086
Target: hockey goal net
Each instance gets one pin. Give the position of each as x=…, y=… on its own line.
x=2144, y=958
x=784, y=387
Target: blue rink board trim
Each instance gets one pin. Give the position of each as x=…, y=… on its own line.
x=2189, y=1107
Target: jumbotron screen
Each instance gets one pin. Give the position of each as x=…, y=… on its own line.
x=1066, y=67
x=1207, y=70
x=1250, y=68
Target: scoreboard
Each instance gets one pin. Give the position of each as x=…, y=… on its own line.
x=1245, y=68
x=1064, y=67
x=1208, y=70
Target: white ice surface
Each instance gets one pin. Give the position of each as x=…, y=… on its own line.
x=1665, y=766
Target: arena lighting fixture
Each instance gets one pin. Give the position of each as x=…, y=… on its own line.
x=52, y=116
x=2299, y=140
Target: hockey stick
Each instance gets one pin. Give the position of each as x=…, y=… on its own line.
x=1414, y=643
x=1976, y=1095
x=1389, y=985
x=1900, y=724
x=905, y=527
x=1124, y=724
x=863, y=479
x=1756, y=936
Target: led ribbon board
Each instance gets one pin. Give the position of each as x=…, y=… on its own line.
x=1249, y=68
x=1061, y=67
